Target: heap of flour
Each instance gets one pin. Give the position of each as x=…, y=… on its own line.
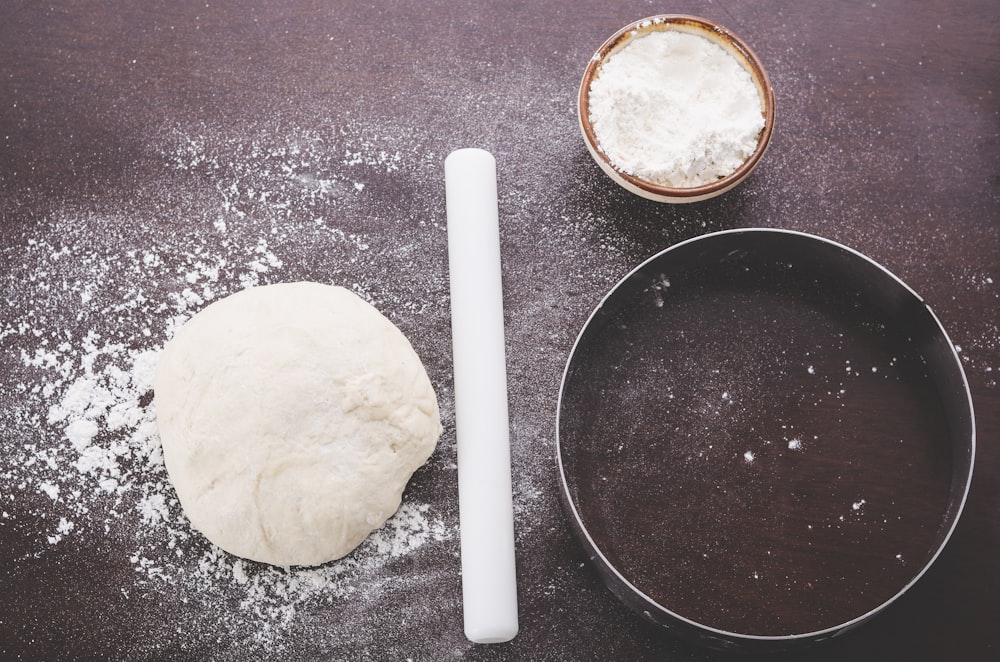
x=675, y=109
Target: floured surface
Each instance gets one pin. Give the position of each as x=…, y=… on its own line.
x=152, y=161
x=98, y=468
x=98, y=291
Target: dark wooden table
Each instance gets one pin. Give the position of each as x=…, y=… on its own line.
x=155, y=156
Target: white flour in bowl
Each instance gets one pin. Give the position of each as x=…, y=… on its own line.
x=675, y=109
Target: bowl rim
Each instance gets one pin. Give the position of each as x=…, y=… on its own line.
x=717, y=34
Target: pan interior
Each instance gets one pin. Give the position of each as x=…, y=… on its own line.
x=752, y=437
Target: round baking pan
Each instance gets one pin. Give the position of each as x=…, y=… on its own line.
x=764, y=438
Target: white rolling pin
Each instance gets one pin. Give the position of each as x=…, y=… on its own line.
x=485, y=501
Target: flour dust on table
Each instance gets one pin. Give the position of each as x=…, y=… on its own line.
x=97, y=293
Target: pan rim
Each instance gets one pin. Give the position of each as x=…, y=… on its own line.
x=616, y=581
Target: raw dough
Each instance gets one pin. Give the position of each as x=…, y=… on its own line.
x=292, y=417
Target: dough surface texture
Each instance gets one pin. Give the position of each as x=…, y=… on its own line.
x=291, y=417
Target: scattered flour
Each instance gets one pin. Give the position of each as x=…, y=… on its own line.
x=86, y=387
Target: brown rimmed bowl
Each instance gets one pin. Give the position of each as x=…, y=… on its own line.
x=764, y=438
x=714, y=33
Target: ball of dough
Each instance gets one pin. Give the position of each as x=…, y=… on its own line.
x=292, y=417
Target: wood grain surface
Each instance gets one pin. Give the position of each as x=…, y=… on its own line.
x=155, y=156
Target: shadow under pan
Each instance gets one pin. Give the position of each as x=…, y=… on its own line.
x=755, y=435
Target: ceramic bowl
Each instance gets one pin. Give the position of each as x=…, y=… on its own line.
x=714, y=33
